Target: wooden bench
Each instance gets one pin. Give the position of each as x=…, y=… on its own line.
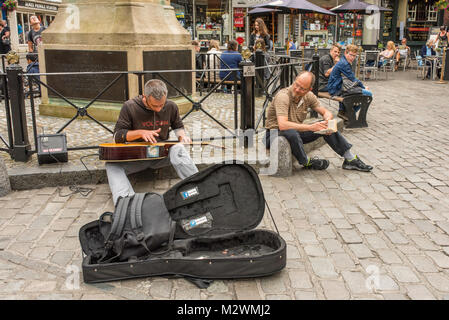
x=349, y=103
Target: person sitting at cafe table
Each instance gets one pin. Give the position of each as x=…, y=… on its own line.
x=427, y=50
x=402, y=53
x=387, y=54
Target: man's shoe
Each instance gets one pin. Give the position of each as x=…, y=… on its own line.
x=317, y=164
x=356, y=164
x=342, y=115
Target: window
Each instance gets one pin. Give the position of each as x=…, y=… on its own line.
x=411, y=13
x=432, y=13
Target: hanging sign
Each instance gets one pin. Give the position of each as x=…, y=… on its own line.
x=239, y=22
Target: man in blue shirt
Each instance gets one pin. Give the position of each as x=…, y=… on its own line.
x=350, y=84
x=427, y=51
x=230, y=59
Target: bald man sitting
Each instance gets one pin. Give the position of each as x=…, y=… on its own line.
x=286, y=115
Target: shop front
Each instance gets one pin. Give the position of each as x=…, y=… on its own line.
x=19, y=20
x=204, y=19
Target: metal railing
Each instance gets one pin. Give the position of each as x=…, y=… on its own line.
x=282, y=74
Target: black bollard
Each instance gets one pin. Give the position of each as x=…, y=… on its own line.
x=21, y=146
x=316, y=72
x=247, y=103
x=260, y=62
x=285, y=73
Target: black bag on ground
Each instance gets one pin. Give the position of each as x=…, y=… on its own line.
x=203, y=228
x=139, y=224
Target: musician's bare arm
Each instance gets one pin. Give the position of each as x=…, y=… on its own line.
x=146, y=135
x=182, y=137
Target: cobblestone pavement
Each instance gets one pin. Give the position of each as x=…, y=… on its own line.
x=350, y=235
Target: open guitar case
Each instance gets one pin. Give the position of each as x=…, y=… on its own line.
x=213, y=215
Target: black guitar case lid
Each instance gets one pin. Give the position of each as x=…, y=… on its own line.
x=216, y=211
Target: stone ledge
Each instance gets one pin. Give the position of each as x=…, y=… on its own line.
x=53, y=176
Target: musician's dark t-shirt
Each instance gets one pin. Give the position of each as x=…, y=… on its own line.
x=134, y=115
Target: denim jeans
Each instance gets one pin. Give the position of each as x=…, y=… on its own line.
x=297, y=140
x=356, y=108
x=118, y=172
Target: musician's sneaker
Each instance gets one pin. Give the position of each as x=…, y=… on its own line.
x=356, y=164
x=317, y=164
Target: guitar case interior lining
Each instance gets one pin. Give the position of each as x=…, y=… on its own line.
x=216, y=211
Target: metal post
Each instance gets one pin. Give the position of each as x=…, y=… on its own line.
x=21, y=146
x=194, y=19
x=260, y=62
x=316, y=72
x=247, y=104
x=284, y=73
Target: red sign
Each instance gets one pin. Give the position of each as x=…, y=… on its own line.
x=419, y=29
x=239, y=12
x=239, y=22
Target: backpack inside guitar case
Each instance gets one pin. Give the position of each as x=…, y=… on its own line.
x=203, y=227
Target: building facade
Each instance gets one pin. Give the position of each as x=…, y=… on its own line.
x=19, y=19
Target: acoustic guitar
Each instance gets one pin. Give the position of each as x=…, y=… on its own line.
x=133, y=151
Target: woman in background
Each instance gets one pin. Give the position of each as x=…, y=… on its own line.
x=260, y=32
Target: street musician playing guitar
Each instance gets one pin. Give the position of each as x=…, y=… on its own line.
x=148, y=118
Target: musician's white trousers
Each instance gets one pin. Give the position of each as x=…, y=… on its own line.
x=118, y=172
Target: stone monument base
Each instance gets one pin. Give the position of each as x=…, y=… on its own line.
x=101, y=111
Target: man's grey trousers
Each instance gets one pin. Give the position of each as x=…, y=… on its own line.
x=118, y=172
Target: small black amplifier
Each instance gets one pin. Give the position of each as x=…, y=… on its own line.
x=52, y=148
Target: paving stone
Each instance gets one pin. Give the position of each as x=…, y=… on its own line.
x=423, y=263
x=335, y=290
x=385, y=224
x=246, y=290
x=350, y=236
x=404, y=274
x=314, y=251
x=425, y=226
x=306, y=237
x=365, y=228
x=40, y=286
x=333, y=246
x=304, y=295
x=389, y=256
x=343, y=261
x=323, y=267
x=439, y=238
x=341, y=224
x=293, y=252
x=273, y=284
x=438, y=281
x=386, y=283
x=62, y=258
x=325, y=232
x=424, y=243
x=419, y=292
x=40, y=253
x=376, y=242
x=361, y=251
x=12, y=287
x=356, y=282
x=439, y=258
x=300, y=280
x=396, y=237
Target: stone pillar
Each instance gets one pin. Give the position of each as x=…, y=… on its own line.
x=14, y=36
x=135, y=32
x=5, y=185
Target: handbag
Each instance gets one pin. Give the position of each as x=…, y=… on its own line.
x=6, y=42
